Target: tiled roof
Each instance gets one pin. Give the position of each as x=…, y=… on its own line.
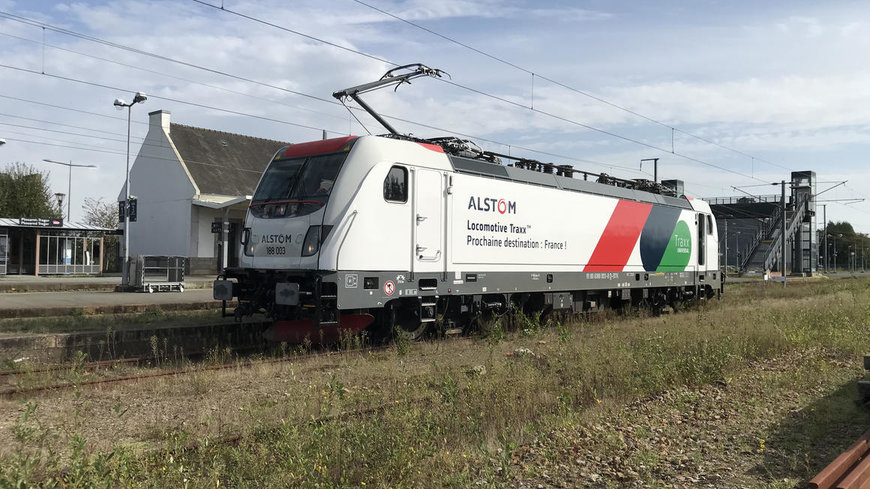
x=221, y=162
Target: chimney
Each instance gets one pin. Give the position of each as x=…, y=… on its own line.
x=159, y=119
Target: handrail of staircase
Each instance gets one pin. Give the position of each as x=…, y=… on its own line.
x=776, y=242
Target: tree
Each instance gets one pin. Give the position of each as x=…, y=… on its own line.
x=847, y=248
x=24, y=192
x=105, y=215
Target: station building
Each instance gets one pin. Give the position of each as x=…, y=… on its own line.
x=193, y=187
x=36, y=246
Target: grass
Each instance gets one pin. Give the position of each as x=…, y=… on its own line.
x=448, y=413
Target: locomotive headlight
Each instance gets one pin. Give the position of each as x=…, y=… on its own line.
x=312, y=241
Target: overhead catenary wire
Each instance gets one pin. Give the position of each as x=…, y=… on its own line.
x=166, y=58
x=60, y=107
x=602, y=131
x=584, y=93
x=495, y=97
x=28, y=141
x=168, y=99
x=298, y=33
x=70, y=133
x=99, y=85
x=142, y=52
x=174, y=77
x=143, y=144
x=43, y=121
x=515, y=146
x=73, y=145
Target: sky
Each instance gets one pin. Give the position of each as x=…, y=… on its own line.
x=725, y=94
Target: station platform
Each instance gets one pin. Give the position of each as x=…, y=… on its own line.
x=29, y=296
x=55, y=283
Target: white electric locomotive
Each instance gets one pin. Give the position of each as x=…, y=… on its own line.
x=408, y=234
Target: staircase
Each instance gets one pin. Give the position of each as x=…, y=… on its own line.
x=766, y=251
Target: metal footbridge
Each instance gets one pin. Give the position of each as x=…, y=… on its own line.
x=751, y=231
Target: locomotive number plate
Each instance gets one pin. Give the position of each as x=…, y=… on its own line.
x=276, y=250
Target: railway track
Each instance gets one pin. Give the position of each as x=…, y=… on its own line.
x=104, y=364
x=18, y=392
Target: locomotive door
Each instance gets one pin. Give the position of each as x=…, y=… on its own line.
x=428, y=205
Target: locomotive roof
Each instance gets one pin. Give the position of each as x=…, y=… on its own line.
x=495, y=170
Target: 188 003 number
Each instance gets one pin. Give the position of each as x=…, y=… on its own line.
x=276, y=250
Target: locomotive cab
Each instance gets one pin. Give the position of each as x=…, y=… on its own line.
x=284, y=230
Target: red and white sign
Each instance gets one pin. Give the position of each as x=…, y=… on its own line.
x=389, y=287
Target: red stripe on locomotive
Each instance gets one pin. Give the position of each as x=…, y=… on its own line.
x=316, y=147
x=619, y=237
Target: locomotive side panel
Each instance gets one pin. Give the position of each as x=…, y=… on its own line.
x=373, y=234
x=509, y=226
x=498, y=224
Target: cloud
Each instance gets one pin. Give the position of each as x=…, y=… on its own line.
x=781, y=83
x=805, y=26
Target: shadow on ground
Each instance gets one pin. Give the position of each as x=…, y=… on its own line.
x=807, y=440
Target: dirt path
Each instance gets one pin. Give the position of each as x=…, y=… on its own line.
x=774, y=426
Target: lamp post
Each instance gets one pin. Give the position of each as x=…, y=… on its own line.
x=849, y=257
x=59, y=196
x=825, y=234
x=834, y=238
x=737, y=252
x=120, y=104
x=69, y=165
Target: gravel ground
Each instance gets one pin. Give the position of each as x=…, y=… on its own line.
x=774, y=426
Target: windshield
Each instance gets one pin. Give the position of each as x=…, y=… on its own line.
x=296, y=186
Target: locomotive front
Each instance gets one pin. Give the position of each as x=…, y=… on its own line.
x=279, y=272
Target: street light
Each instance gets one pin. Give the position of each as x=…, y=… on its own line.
x=834, y=237
x=120, y=104
x=59, y=196
x=69, y=185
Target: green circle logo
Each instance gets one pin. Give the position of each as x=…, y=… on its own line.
x=679, y=249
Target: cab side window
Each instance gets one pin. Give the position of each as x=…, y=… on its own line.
x=396, y=185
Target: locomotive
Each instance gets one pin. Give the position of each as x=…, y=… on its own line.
x=413, y=235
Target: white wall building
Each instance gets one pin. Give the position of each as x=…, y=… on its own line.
x=186, y=178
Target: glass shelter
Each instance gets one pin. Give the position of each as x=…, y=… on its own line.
x=50, y=247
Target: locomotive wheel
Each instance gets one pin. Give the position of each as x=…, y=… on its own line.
x=405, y=319
x=482, y=322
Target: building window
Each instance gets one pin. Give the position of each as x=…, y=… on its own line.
x=69, y=254
x=396, y=185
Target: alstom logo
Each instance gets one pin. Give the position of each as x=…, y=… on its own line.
x=485, y=204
